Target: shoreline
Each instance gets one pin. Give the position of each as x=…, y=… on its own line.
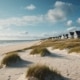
x=13, y=47
x=15, y=72
x=13, y=42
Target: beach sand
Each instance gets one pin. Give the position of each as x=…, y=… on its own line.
x=12, y=73
x=68, y=65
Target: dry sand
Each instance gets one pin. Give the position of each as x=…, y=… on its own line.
x=12, y=73
x=68, y=65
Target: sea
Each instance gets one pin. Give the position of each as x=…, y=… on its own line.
x=13, y=42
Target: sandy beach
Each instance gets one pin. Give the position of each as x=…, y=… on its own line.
x=8, y=48
x=68, y=65
x=39, y=39
x=5, y=73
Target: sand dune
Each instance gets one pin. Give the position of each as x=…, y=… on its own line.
x=67, y=65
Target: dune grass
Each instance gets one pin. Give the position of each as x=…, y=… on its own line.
x=73, y=45
x=65, y=45
x=10, y=58
x=61, y=44
x=75, y=49
x=40, y=51
x=72, y=40
x=16, y=51
x=44, y=44
x=32, y=47
x=42, y=72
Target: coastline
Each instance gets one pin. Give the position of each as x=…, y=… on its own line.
x=15, y=72
x=58, y=60
x=13, y=47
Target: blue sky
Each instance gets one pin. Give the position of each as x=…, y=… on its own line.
x=31, y=19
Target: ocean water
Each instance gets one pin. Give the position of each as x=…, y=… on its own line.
x=13, y=42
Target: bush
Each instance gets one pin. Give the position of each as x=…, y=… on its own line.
x=10, y=58
x=42, y=72
x=40, y=51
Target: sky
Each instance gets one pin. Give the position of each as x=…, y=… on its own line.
x=36, y=19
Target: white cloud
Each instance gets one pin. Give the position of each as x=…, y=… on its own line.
x=21, y=35
x=21, y=21
x=60, y=11
x=78, y=21
x=66, y=7
x=61, y=4
x=30, y=7
x=24, y=32
x=46, y=35
x=12, y=35
x=69, y=23
x=56, y=15
x=72, y=28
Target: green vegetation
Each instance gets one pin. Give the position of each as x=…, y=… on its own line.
x=75, y=49
x=71, y=44
x=32, y=47
x=65, y=45
x=40, y=51
x=10, y=58
x=42, y=72
x=44, y=44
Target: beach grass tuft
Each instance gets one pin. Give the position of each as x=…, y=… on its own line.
x=40, y=51
x=10, y=58
x=43, y=72
x=75, y=49
x=72, y=45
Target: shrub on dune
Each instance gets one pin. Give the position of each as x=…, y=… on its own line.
x=10, y=59
x=40, y=51
x=42, y=72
